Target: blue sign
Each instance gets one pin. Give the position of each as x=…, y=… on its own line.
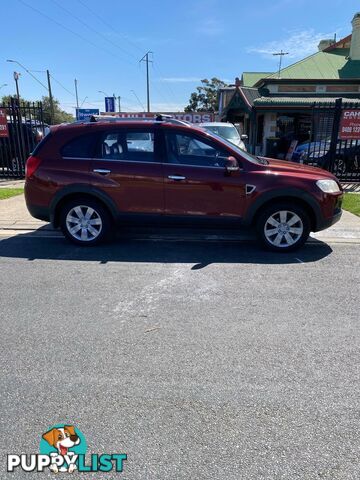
x=109, y=104
x=85, y=113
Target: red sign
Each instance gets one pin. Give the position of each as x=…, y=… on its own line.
x=193, y=117
x=4, y=132
x=350, y=124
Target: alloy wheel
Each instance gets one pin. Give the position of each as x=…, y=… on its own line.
x=283, y=229
x=84, y=223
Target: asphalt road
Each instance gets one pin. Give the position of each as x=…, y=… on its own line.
x=200, y=360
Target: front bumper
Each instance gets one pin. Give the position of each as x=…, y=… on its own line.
x=324, y=223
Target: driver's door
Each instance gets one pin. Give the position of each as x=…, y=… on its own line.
x=196, y=182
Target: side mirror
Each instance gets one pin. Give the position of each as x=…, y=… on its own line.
x=244, y=136
x=231, y=165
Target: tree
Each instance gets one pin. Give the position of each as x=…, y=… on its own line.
x=60, y=116
x=206, y=97
x=6, y=99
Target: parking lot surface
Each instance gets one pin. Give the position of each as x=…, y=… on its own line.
x=198, y=359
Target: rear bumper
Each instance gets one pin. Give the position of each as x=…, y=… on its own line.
x=39, y=212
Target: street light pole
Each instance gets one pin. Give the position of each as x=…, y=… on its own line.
x=16, y=78
x=28, y=71
x=82, y=103
x=76, y=93
x=138, y=99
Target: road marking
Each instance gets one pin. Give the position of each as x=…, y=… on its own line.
x=152, y=329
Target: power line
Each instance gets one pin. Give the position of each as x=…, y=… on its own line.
x=62, y=86
x=109, y=26
x=67, y=29
x=29, y=72
x=94, y=30
x=170, y=90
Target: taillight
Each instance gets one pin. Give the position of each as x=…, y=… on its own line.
x=31, y=166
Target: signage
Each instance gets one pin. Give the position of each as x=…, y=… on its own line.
x=85, y=113
x=290, y=152
x=193, y=117
x=109, y=104
x=350, y=124
x=4, y=131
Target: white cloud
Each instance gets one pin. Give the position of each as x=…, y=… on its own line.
x=210, y=26
x=298, y=44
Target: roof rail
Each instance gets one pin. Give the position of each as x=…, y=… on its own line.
x=161, y=117
x=157, y=118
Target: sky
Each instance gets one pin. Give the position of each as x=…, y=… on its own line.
x=100, y=43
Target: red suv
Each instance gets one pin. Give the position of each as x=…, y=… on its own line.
x=88, y=177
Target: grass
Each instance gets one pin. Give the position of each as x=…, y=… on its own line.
x=10, y=192
x=352, y=203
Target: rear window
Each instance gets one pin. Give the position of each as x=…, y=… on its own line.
x=39, y=146
x=80, y=147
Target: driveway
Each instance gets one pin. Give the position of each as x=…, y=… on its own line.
x=199, y=359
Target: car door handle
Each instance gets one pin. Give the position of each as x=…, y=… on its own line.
x=102, y=171
x=176, y=177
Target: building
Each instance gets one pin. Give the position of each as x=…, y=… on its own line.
x=274, y=109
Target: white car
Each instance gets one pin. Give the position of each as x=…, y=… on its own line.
x=227, y=131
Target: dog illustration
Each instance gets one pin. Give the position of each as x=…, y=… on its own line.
x=62, y=439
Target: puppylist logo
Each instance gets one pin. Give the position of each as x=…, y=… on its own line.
x=63, y=449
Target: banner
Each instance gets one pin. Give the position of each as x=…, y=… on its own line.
x=350, y=125
x=193, y=117
x=4, y=131
x=109, y=104
x=84, y=113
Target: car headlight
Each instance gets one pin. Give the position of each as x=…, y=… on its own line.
x=328, y=186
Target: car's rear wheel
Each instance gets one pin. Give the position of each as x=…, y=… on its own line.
x=85, y=221
x=283, y=227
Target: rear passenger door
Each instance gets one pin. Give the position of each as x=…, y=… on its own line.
x=127, y=166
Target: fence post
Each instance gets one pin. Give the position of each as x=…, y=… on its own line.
x=335, y=133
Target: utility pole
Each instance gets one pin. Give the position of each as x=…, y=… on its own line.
x=76, y=93
x=119, y=98
x=52, y=113
x=16, y=78
x=145, y=58
x=280, y=54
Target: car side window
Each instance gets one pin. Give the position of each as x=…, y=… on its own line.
x=186, y=149
x=80, y=147
x=127, y=145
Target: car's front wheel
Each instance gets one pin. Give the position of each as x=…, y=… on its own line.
x=283, y=227
x=85, y=221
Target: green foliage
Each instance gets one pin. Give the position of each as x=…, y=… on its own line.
x=206, y=97
x=60, y=116
x=10, y=192
x=6, y=99
x=352, y=203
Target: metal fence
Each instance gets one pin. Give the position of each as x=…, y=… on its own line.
x=23, y=129
x=326, y=149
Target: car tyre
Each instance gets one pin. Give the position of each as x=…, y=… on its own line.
x=86, y=222
x=283, y=227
